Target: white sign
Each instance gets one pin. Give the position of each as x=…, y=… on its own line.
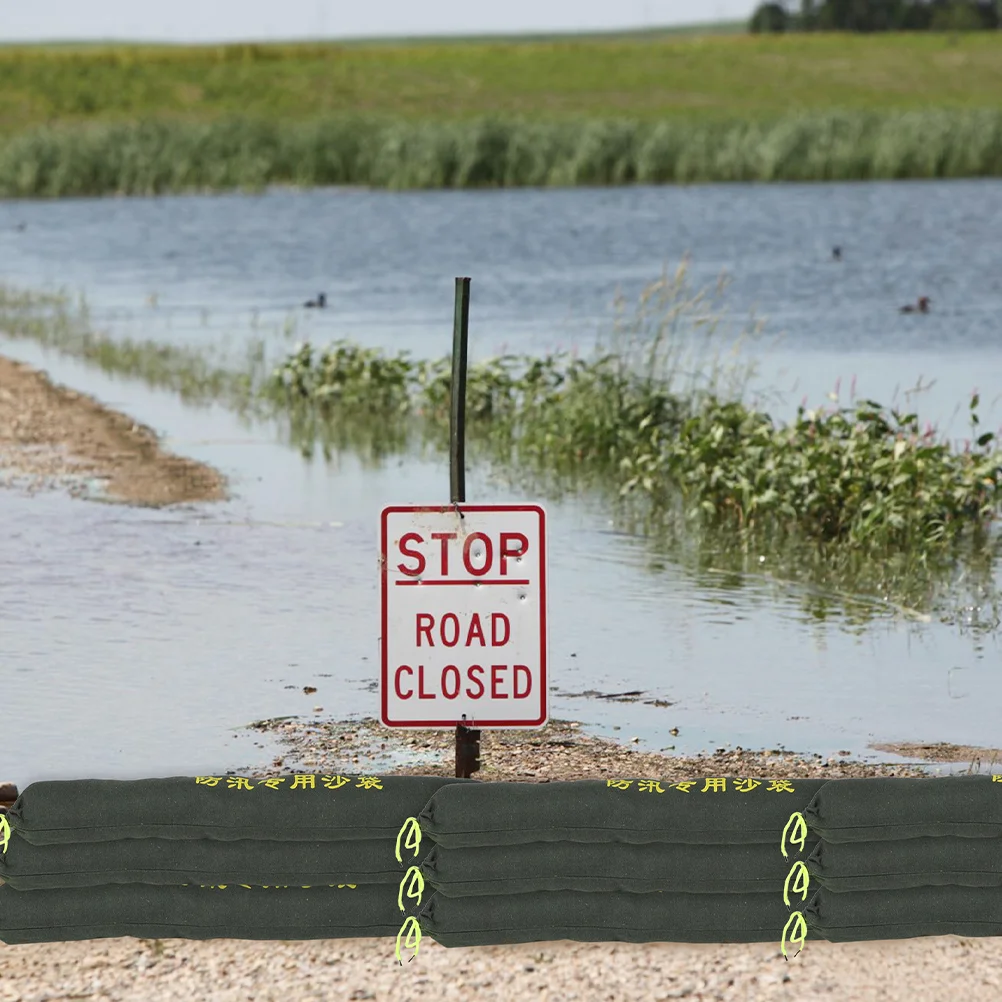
x=464, y=616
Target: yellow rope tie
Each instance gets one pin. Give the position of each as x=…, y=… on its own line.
x=410, y=833
x=411, y=939
x=798, y=921
x=800, y=884
x=799, y=836
x=412, y=878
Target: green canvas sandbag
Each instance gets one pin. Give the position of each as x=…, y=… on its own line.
x=946, y=910
x=146, y=911
x=875, y=809
x=904, y=863
x=484, y=814
x=221, y=807
x=199, y=861
x=604, y=867
x=599, y=918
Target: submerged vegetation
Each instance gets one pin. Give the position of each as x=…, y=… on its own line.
x=172, y=156
x=857, y=502
x=861, y=475
x=53, y=321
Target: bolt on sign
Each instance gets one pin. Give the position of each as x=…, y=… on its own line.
x=463, y=616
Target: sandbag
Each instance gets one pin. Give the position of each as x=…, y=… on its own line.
x=199, y=861
x=604, y=867
x=945, y=910
x=309, y=808
x=716, y=811
x=600, y=918
x=876, y=809
x=146, y=911
x=904, y=863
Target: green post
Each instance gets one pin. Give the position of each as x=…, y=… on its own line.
x=467, y=739
x=457, y=421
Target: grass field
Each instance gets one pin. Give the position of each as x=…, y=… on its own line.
x=654, y=107
x=675, y=76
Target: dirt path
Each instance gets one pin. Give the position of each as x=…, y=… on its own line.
x=52, y=437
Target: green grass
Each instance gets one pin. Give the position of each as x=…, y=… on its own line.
x=657, y=77
x=654, y=108
x=160, y=157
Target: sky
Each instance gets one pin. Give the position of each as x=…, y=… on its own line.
x=224, y=20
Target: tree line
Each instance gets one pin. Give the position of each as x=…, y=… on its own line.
x=878, y=15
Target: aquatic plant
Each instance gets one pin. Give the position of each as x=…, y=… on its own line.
x=858, y=505
x=53, y=320
x=866, y=474
x=162, y=156
x=656, y=413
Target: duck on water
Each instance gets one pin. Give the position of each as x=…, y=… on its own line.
x=922, y=306
x=317, y=304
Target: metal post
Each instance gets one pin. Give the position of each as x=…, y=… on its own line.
x=467, y=739
x=457, y=422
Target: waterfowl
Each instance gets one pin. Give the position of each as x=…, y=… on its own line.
x=837, y=253
x=922, y=306
x=317, y=304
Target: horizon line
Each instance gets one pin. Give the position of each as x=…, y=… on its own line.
x=626, y=32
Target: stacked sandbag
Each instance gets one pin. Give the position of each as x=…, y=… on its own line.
x=288, y=857
x=610, y=860
x=840, y=860
x=468, y=863
x=903, y=857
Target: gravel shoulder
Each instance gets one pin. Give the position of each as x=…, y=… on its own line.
x=932, y=970
x=52, y=437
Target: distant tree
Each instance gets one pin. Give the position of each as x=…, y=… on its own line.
x=808, y=19
x=900, y=15
x=769, y=17
x=956, y=17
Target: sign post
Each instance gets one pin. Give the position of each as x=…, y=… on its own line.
x=467, y=739
x=464, y=639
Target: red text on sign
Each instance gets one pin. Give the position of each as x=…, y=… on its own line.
x=478, y=554
x=449, y=632
x=504, y=682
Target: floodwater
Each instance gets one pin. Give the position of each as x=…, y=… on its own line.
x=138, y=643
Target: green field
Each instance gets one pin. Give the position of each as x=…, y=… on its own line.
x=655, y=107
x=674, y=76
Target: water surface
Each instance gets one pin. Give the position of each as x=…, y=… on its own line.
x=135, y=642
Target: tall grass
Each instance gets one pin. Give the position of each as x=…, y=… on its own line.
x=175, y=156
x=54, y=321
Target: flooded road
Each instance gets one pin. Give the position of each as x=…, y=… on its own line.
x=139, y=642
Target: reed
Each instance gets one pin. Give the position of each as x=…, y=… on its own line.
x=156, y=157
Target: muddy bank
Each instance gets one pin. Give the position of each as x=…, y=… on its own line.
x=52, y=437
x=559, y=751
x=984, y=759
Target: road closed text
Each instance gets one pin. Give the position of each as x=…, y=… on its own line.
x=472, y=681
x=428, y=681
